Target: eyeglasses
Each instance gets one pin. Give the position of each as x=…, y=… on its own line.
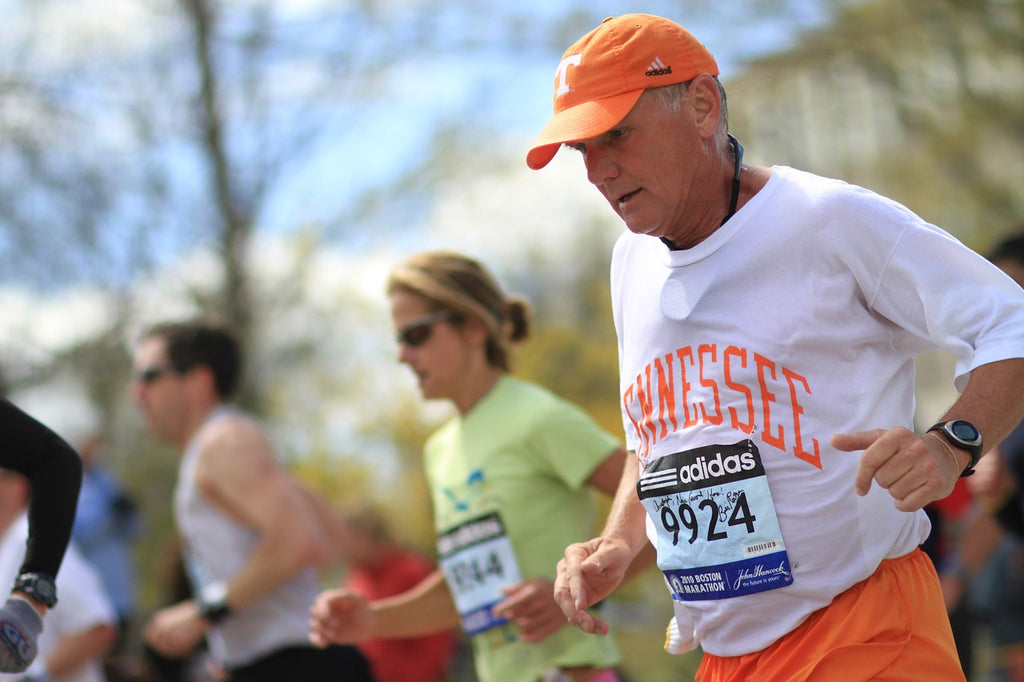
x=417, y=333
x=151, y=374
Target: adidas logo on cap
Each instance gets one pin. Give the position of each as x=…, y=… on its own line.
x=658, y=68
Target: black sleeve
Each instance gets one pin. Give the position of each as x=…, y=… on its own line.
x=54, y=471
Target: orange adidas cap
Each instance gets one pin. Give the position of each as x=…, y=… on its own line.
x=603, y=74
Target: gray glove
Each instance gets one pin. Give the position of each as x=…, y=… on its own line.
x=20, y=626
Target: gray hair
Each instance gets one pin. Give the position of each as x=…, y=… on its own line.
x=673, y=96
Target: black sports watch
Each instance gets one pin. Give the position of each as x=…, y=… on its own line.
x=963, y=435
x=39, y=586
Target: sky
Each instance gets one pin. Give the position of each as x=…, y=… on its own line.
x=385, y=136
x=364, y=143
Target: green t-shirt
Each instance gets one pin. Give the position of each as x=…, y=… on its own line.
x=523, y=454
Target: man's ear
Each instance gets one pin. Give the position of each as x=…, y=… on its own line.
x=706, y=100
x=202, y=377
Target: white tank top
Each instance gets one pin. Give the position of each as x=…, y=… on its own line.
x=216, y=548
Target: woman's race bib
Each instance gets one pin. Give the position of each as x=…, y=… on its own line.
x=478, y=560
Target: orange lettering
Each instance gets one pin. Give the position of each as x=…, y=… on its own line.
x=712, y=350
x=798, y=449
x=747, y=426
x=706, y=406
x=666, y=394
x=646, y=402
x=767, y=398
x=684, y=386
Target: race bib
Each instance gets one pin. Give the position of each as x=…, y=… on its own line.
x=478, y=560
x=718, y=535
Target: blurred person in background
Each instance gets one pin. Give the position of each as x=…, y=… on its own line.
x=78, y=630
x=107, y=525
x=1002, y=480
x=990, y=566
x=380, y=567
x=510, y=477
x=54, y=474
x=251, y=543
x=106, y=519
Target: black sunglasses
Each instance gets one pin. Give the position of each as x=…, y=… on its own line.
x=151, y=374
x=417, y=333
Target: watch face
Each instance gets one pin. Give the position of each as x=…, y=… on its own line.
x=964, y=431
x=38, y=586
x=44, y=588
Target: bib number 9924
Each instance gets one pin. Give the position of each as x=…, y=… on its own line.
x=709, y=514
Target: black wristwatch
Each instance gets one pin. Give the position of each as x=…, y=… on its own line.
x=39, y=586
x=964, y=435
x=213, y=602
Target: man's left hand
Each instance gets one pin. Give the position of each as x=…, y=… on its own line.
x=915, y=469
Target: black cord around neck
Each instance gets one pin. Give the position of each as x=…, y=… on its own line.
x=737, y=150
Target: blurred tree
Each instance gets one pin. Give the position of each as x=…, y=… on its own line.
x=573, y=351
x=922, y=101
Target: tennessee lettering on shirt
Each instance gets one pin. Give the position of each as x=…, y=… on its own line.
x=704, y=378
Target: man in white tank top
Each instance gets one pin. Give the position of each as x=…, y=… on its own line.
x=251, y=541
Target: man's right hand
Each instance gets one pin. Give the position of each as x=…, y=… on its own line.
x=20, y=625
x=588, y=573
